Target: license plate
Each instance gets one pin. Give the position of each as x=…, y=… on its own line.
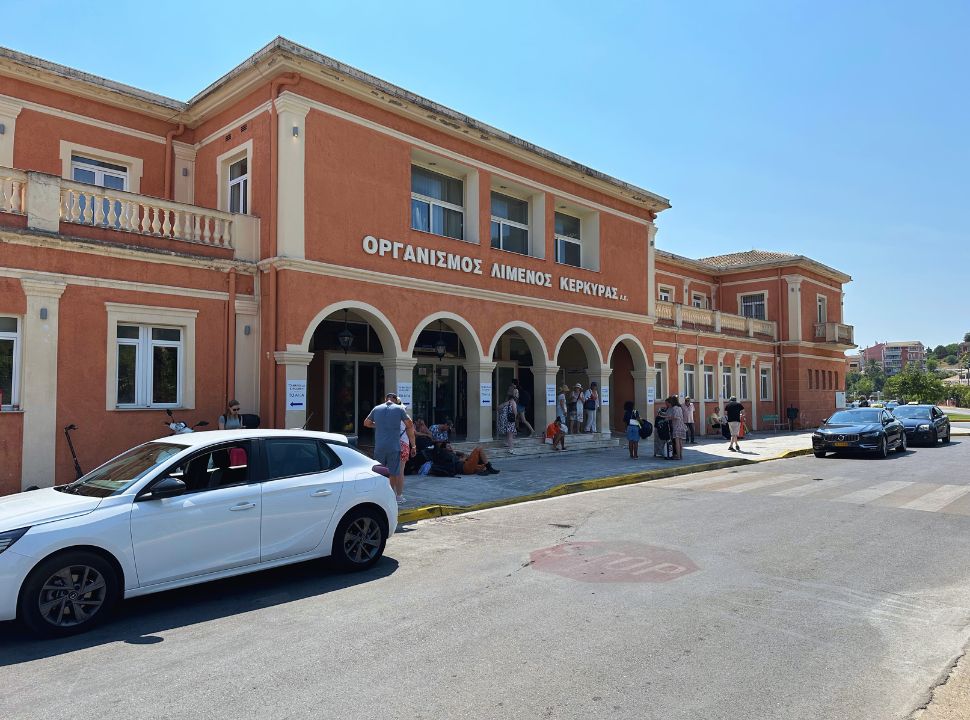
x=841, y=444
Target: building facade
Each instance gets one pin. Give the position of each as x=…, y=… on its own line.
x=893, y=357
x=301, y=236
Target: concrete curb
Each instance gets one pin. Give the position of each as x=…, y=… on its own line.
x=433, y=511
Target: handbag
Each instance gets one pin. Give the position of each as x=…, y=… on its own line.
x=509, y=413
x=646, y=429
x=589, y=404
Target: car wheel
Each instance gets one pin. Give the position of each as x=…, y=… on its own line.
x=883, y=450
x=901, y=448
x=934, y=437
x=360, y=539
x=68, y=593
x=946, y=438
x=819, y=453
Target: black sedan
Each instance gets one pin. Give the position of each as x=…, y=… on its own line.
x=924, y=423
x=860, y=429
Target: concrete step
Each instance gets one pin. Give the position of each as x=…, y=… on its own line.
x=522, y=447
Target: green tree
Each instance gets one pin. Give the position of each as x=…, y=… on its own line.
x=950, y=359
x=914, y=383
x=966, y=337
x=939, y=352
x=875, y=375
x=932, y=364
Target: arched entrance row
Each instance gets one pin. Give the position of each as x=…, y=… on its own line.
x=351, y=354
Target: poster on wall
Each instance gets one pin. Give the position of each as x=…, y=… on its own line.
x=839, y=400
x=551, y=394
x=485, y=390
x=605, y=396
x=296, y=395
x=404, y=392
x=651, y=395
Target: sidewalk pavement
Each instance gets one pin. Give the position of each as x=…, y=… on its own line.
x=533, y=477
x=555, y=473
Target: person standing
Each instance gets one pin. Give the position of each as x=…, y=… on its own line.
x=232, y=420
x=505, y=418
x=590, y=404
x=631, y=418
x=689, y=410
x=579, y=398
x=523, y=402
x=561, y=402
x=661, y=431
x=678, y=428
x=385, y=420
x=734, y=412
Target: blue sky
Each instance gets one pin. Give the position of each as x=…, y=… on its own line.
x=838, y=130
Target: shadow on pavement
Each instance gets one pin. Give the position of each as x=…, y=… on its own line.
x=137, y=620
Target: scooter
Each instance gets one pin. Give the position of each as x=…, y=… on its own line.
x=180, y=428
x=70, y=444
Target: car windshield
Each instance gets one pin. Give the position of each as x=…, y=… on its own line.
x=907, y=411
x=856, y=416
x=116, y=475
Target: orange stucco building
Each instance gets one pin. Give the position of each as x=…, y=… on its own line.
x=300, y=236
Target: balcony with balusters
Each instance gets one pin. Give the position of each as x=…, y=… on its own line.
x=694, y=318
x=834, y=333
x=37, y=201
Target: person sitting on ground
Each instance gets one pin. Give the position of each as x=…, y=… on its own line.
x=442, y=431
x=715, y=420
x=421, y=428
x=476, y=462
x=556, y=431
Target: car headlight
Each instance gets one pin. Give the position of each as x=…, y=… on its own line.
x=923, y=427
x=10, y=537
x=818, y=436
x=872, y=434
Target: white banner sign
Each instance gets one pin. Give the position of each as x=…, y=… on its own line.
x=651, y=395
x=404, y=392
x=296, y=395
x=550, y=394
x=485, y=390
x=840, y=400
x=605, y=396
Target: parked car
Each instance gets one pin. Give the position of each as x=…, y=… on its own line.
x=891, y=405
x=861, y=429
x=924, y=423
x=187, y=509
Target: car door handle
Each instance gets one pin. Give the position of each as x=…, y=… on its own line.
x=242, y=506
x=321, y=493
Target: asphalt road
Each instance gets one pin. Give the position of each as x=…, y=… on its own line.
x=798, y=588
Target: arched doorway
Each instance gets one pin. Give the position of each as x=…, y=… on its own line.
x=628, y=378
x=520, y=355
x=580, y=361
x=351, y=346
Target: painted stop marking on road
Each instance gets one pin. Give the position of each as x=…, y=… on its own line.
x=612, y=562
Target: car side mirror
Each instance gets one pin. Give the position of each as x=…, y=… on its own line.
x=167, y=487
x=824, y=420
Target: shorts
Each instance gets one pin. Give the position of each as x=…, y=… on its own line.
x=735, y=428
x=633, y=433
x=389, y=458
x=405, y=454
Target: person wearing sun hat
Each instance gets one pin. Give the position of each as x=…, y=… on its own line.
x=561, y=410
x=576, y=421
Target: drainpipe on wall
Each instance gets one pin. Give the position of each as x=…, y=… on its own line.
x=283, y=81
x=231, y=338
x=782, y=311
x=169, y=182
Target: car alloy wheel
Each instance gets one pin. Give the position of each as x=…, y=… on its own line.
x=901, y=448
x=68, y=593
x=883, y=447
x=946, y=438
x=360, y=539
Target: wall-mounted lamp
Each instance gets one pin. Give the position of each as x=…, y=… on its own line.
x=43, y=313
x=3, y=128
x=185, y=172
x=296, y=131
x=345, y=337
x=248, y=330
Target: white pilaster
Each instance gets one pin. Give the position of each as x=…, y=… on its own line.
x=794, y=308
x=651, y=272
x=754, y=388
x=184, y=174
x=296, y=362
x=291, y=158
x=246, y=381
x=480, y=415
x=398, y=372
x=602, y=380
x=9, y=111
x=38, y=397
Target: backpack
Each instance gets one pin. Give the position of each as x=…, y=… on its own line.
x=663, y=429
x=646, y=429
x=589, y=403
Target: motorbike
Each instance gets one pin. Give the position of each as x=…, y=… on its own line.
x=181, y=428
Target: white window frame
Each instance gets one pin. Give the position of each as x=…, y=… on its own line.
x=765, y=383
x=667, y=290
x=557, y=238
x=146, y=316
x=230, y=157
x=743, y=383
x=660, y=378
x=727, y=382
x=763, y=304
x=135, y=165
x=709, y=376
x=144, y=364
x=14, y=399
x=690, y=376
x=440, y=203
x=81, y=162
x=698, y=300
x=821, y=308
x=511, y=223
x=243, y=182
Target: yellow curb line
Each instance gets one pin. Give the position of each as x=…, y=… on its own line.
x=432, y=511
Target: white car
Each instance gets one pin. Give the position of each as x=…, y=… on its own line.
x=187, y=509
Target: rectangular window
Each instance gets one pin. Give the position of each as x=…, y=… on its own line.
x=765, y=384
x=510, y=223
x=568, y=240
x=726, y=383
x=708, y=382
x=743, y=384
x=238, y=191
x=437, y=203
x=665, y=293
x=821, y=306
x=753, y=306
x=9, y=363
x=100, y=173
x=810, y=386
x=660, y=380
x=149, y=366
x=698, y=300
x=689, y=381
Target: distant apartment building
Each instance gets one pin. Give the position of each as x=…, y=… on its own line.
x=892, y=357
x=853, y=362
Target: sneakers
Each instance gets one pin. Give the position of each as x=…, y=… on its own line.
x=491, y=470
x=483, y=472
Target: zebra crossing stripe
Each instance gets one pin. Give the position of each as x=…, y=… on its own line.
x=809, y=487
x=874, y=492
x=755, y=484
x=937, y=499
x=712, y=480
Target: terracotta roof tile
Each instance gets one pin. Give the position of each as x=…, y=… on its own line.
x=749, y=257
